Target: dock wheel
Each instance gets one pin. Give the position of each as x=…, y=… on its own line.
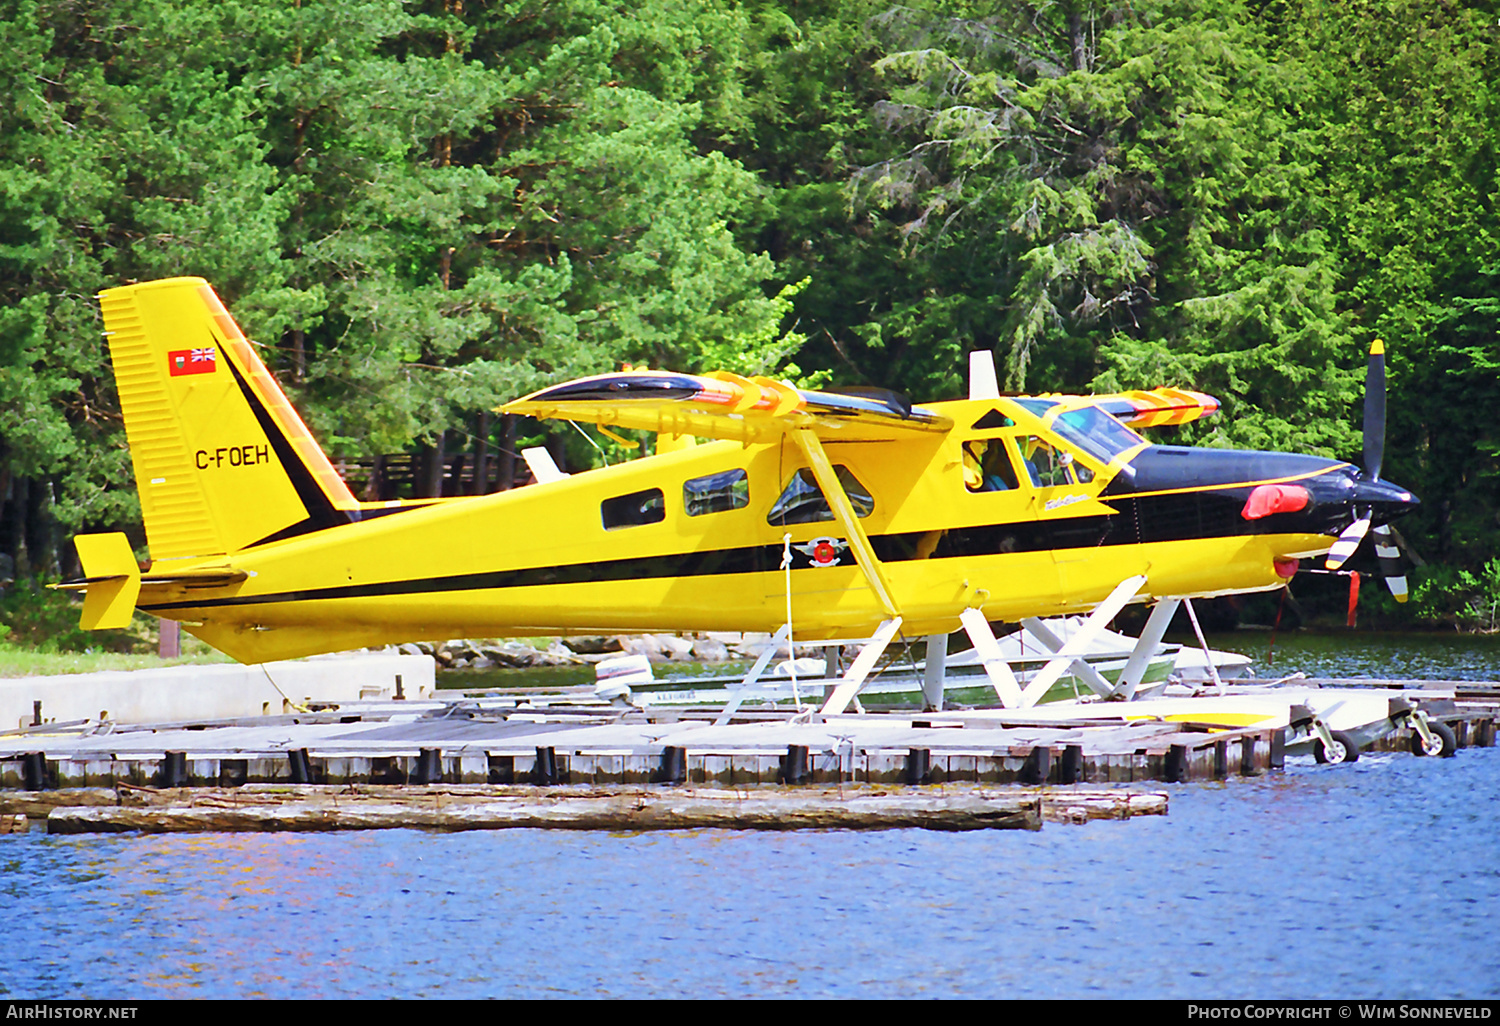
x=1343, y=749
x=1445, y=741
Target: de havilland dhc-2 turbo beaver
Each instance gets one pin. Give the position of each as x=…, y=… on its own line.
x=841, y=512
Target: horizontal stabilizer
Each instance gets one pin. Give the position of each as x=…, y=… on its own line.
x=113, y=581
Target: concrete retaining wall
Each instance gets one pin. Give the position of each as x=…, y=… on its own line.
x=177, y=693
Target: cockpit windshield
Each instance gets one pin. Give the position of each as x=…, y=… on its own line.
x=1089, y=428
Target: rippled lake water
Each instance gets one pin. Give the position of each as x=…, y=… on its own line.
x=1377, y=879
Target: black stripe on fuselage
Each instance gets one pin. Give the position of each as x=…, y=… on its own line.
x=1180, y=516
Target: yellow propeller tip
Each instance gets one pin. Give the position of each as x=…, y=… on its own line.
x=1377, y=348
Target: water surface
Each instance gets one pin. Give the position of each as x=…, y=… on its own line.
x=1377, y=879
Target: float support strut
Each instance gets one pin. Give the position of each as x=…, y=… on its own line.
x=1081, y=642
x=854, y=677
x=1145, y=647
x=935, y=673
x=1052, y=643
x=761, y=661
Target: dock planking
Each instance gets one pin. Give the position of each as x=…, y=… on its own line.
x=460, y=743
x=489, y=762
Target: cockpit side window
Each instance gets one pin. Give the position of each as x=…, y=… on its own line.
x=1047, y=466
x=1096, y=433
x=987, y=467
x=802, y=502
x=993, y=419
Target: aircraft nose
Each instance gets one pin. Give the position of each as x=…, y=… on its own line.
x=1385, y=500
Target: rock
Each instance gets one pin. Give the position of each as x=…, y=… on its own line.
x=512, y=655
x=707, y=650
x=593, y=645
x=643, y=644
x=753, y=644
x=673, y=647
x=559, y=654
x=461, y=649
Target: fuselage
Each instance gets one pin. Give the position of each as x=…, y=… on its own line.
x=1024, y=509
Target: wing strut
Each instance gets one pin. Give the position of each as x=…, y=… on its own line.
x=859, y=542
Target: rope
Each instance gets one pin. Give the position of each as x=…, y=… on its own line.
x=786, y=565
x=283, y=694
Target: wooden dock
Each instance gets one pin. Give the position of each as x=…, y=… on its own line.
x=496, y=760
x=466, y=743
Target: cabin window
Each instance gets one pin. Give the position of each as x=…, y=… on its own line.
x=802, y=501
x=987, y=468
x=993, y=419
x=648, y=507
x=716, y=493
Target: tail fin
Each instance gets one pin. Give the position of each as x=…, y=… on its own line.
x=222, y=461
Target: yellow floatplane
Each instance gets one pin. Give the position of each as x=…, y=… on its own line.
x=821, y=514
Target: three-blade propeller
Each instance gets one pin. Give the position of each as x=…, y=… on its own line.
x=1388, y=548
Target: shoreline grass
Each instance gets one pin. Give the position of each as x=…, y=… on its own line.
x=20, y=661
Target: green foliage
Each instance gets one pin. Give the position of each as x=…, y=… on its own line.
x=420, y=209
x=1125, y=176
x=1461, y=598
x=43, y=618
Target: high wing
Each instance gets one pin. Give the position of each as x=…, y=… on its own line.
x=726, y=406
x=748, y=410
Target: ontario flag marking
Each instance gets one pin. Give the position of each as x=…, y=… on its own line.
x=192, y=361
